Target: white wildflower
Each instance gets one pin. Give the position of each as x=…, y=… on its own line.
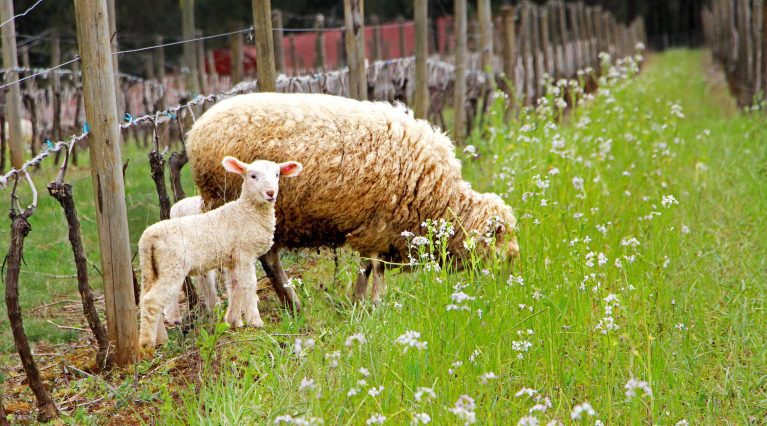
x=581, y=409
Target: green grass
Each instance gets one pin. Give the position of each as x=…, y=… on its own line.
x=687, y=315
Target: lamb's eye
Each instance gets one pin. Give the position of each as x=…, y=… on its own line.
x=252, y=176
x=277, y=174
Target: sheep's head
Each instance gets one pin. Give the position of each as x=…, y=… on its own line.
x=490, y=224
x=261, y=177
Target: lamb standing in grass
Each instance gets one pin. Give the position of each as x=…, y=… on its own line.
x=382, y=172
x=206, y=283
x=232, y=236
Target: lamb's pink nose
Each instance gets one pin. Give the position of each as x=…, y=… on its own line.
x=270, y=194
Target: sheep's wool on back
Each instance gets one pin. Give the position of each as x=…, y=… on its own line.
x=371, y=170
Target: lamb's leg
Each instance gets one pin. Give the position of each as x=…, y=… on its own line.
x=277, y=276
x=153, y=301
x=208, y=289
x=171, y=311
x=250, y=296
x=379, y=284
x=233, y=315
x=362, y=280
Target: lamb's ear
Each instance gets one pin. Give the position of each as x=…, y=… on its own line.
x=290, y=168
x=234, y=165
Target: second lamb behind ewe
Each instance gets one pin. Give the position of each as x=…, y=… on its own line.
x=232, y=236
x=206, y=283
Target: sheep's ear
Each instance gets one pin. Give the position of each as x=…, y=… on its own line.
x=234, y=165
x=291, y=168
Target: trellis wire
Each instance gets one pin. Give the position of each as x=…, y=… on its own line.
x=22, y=14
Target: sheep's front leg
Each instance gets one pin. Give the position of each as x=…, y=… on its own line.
x=379, y=284
x=277, y=276
x=362, y=279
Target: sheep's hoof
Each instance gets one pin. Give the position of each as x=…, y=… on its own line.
x=376, y=303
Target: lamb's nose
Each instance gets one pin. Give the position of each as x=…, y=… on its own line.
x=270, y=194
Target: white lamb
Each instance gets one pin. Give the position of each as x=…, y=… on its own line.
x=207, y=283
x=232, y=236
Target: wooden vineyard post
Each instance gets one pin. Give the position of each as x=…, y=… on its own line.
x=546, y=41
x=236, y=50
x=202, y=75
x=321, y=61
x=421, y=103
x=354, y=37
x=279, y=52
x=509, y=51
x=401, y=35
x=375, y=22
x=262, y=25
x=13, y=96
x=112, y=13
x=486, y=39
x=189, y=49
x=160, y=61
x=459, y=100
x=106, y=173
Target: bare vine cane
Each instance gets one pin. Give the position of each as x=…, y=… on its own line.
x=175, y=163
x=20, y=228
x=62, y=192
x=157, y=164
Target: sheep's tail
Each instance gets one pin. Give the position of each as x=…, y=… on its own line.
x=148, y=263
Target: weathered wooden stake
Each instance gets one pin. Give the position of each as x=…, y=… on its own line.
x=112, y=13
x=459, y=100
x=320, y=59
x=236, y=52
x=509, y=51
x=262, y=24
x=189, y=51
x=13, y=96
x=354, y=36
x=202, y=76
x=375, y=22
x=279, y=52
x=108, y=184
x=421, y=102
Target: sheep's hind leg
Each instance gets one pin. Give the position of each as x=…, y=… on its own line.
x=362, y=280
x=277, y=276
x=379, y=284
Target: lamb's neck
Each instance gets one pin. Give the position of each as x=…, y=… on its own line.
x=249, y=207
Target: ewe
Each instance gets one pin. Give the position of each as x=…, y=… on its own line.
x=232, y=237
x=382, y=172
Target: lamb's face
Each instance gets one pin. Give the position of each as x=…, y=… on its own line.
x=261, y=177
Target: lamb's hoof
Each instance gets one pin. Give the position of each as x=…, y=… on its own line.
x=376, y=303
x=257, y=323
x=235, y=323
x=146, y=352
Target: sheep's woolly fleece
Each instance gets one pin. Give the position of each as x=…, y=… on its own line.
x=371, y=172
